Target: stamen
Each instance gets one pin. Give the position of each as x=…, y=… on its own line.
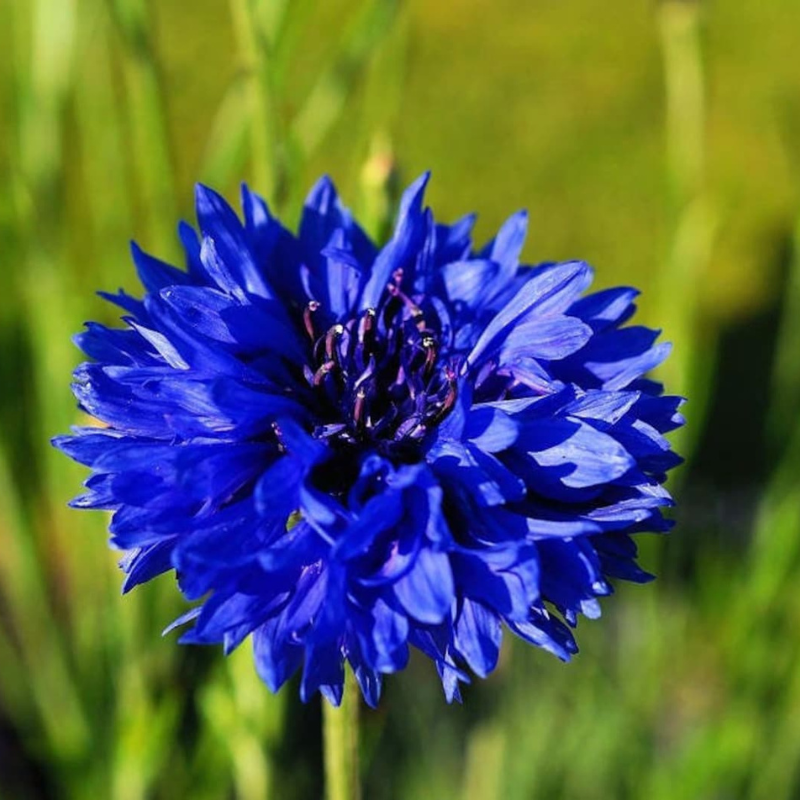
x=379, y=375
x=413, y=309
x=366, y=325
x=429, y=343
x=358, y=407
x=450, y=398
x=323, y=372
x=312, y=306
x=365, y=338
x=276, y=429
x=330, y=343
x=419, y=431
x=366, y=374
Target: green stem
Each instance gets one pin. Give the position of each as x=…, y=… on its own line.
x=340, y=740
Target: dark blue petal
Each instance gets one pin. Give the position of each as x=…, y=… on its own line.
x=426, y=592
x=573, y=453
x=467, y=471
x=276, y=660
x=323, y=671
x=453, y=242
x=478, y=636
x=609, y=307
x=547, y=632
x=383, y=635
x=369, y=681
x=191, y=248
x=154, y=274
x=143, y=564
x=248, y=326
x=126, y=302
x=505, y=577
x=219, y=223
x=86, y=445
x=409, y=233
x=491, y=429
x=506, y=248
x=115, y=346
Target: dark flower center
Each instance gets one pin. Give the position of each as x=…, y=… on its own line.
x=379, y=378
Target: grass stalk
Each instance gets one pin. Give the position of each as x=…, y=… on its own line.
x=256, y=67
x=147, y=121
x=693, y=216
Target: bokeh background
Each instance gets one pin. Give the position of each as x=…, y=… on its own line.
x=660, y=141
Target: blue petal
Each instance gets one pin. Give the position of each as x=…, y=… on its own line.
x=506, y=248
x=609, y=307
x=660, y=412
x=384, y=640
x=247, y=326
x=547, y=632
x=250, y=411
x=548, y=339
x=155, y=274
x=380, y=513
x=549, y=291
x=466, y=470
x=219, y=223
x=426, y=591
x=145, y=563
x=491, y=429
x=126, y=302
x=191, y=248
x=323, y=671
x=160, y=343
x=276, y=660
x=505, y=577
x=276, y=492
x=222, y=613
x=478, y=636
x=608, y=407
x=453, y=242
x=408, y=235
x=114, y=346
x=369, y=681
x=470, y=282
x=622, y=373
x=575, y=453
x=219, y=271
x=86, y=445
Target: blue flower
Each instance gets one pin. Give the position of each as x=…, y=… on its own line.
x=346, y=451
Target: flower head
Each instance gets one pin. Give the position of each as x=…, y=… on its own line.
x=348, y=451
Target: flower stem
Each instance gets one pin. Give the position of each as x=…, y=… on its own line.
x=340, y=740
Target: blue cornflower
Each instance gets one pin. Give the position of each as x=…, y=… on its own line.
x=346, y=450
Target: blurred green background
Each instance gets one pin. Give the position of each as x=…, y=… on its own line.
x=659, y=141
